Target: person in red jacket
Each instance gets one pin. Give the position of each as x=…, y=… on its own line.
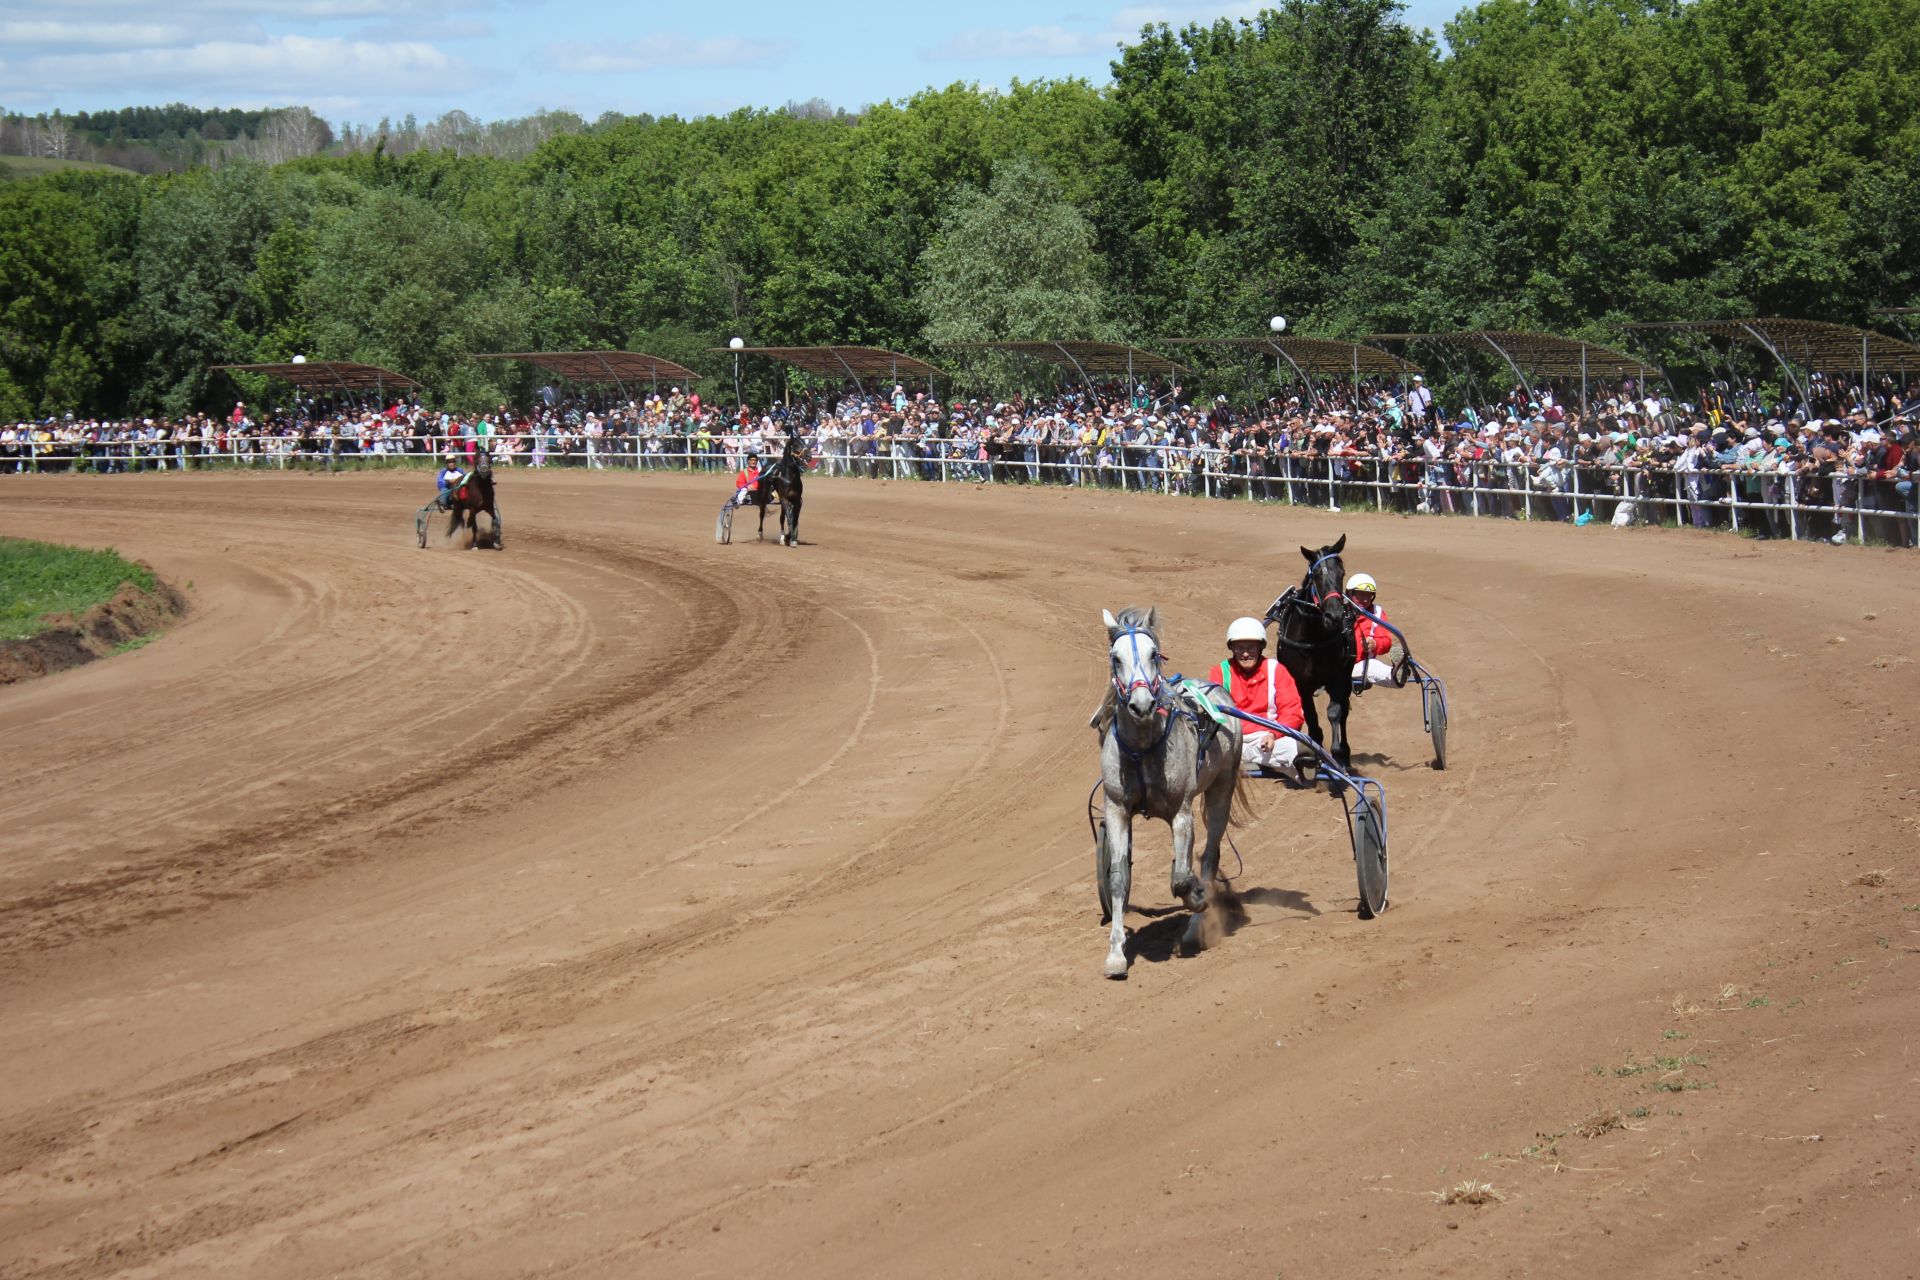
x=1371, y=641
x=747, y=479
x=1260, y=686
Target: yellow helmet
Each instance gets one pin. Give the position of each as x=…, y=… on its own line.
x=1364, y=583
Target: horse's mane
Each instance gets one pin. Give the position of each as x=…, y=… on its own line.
x=1134, y=616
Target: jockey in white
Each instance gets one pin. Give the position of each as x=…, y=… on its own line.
x=1260, y=686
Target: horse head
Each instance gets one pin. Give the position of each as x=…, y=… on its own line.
x=1325, y=584
x=1133, y=659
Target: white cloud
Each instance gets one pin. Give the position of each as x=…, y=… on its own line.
x=992, y=43
x=277, y=69
x=52, y=33
x=665, y=51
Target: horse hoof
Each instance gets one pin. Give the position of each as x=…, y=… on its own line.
x=1183, y=889
x=1117, y=967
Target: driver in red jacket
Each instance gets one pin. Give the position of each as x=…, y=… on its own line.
x=1371, y=641
x=748, y=477
x=1260, y=686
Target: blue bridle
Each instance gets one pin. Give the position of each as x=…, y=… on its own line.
x=1153, y=686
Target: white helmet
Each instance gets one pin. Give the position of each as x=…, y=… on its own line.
x=1246, y=629
x=1362, y=582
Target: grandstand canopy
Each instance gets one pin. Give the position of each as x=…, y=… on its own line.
x=1088, y=359
x=329, y=375
x=1535, y=355
x=600, y=367
x=1315, y=357
x=1810, y=344
x=857, y=363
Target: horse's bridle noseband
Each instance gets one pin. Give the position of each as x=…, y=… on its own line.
x=1153, y=686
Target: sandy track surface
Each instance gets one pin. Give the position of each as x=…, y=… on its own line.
x=621, y=904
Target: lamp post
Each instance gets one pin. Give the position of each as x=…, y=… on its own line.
x=735, y=344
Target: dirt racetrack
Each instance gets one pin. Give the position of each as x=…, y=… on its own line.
x=625, y=905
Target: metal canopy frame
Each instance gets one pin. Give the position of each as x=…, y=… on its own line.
x=1084, y=358
x=1809, y=345
x=329, y=375
x=1315, y=357
x=1533, y=355
x=590, y=368
x=857, y=363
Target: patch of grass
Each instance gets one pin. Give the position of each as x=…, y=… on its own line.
x=38, y=578
x=1872, y=879
x=1674, y=1035
x=1759, y=1002
x=1634, y=1067
x=1600, y=1122
x=136, y=642
x=1469, y=1192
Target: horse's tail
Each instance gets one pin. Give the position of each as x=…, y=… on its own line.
x=1241, y=813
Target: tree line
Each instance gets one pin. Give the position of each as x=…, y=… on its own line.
x=1568, y=165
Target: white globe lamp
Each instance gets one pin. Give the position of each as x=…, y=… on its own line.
x=736, y=343
x=1278, y=324
x=299, y=359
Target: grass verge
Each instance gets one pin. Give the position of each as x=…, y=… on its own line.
x=39, y=578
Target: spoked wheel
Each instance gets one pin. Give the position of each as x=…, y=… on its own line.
x=1369, y=857
x=723, y=525
x=1437, y=726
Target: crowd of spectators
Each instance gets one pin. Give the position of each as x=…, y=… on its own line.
x=1841, y=465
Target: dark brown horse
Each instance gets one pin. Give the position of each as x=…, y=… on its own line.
x=1315, y=644
x=784, y=479
x=465, y=501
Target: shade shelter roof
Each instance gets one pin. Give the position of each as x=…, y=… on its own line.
x=588, y=367
x=1537, y=355
x=845, y=362
x=1088, y=359
x=1810, y=344
x=1315, y=357
x=329, y=375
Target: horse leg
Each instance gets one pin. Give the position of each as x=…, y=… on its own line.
x=791, y=518
x=1119, y=831
x=1311, y=710
x=1337, y=704
x=473, y=528
x=761, y=535
x=1219, y=802
x=1183, y=886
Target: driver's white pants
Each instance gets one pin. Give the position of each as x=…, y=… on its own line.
x=1374, y=671
x=1262, y=750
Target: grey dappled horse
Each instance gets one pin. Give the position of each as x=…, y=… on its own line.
x=1156, y=755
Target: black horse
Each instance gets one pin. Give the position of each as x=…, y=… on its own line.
x=466, y=501
x=1315, y=643
x=784, y=479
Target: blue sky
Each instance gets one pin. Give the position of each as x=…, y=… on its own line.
x=359, y=60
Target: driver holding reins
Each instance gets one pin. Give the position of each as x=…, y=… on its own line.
x=1371, y=641
x=450, y=475
x=748, y=478
x=1260, y=686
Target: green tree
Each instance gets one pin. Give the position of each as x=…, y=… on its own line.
x=1013, y=262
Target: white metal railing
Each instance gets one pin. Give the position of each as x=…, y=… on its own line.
x=1787, y=504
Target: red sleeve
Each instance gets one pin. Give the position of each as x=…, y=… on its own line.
x=1286, y=698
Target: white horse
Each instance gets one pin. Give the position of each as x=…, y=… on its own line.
x=1157, y=752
